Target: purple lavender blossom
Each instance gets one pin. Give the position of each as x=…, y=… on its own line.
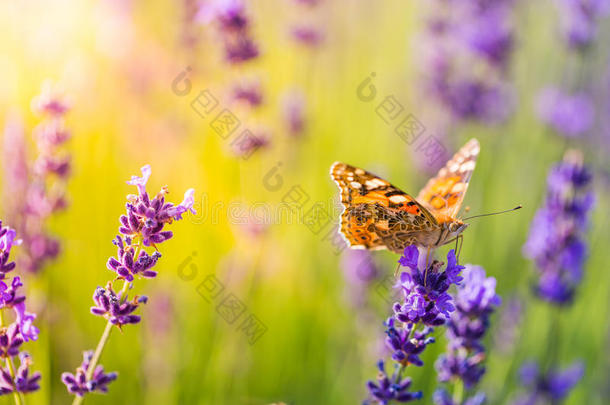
x=554, y=385
x=556, y=240
x=26, y=322
x=388, y=389
x=10, y=341
x=7, y=241
x=146, y=217
x=475, y=300
x=126, y=266
x=425, y=292
x=115, y=307
x=406, y=346
x=23, y=381
x=78, y=383
x=570, y=115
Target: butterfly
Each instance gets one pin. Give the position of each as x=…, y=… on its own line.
x=378, y=215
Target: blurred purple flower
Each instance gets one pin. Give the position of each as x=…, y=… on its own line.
x=249, y=93
x=50, y=101
x=568, y=115
x=556, y=239
x=40, y=184
x=491, y=35
x=250, y=142
x=579, y=19
x=293, y=109
x=472, y=33
x=358, y=267
x=307, y=35
x=505, y=336
x=233, y=24
x=229, y=14
x=472, y=99
x=309, y=3
x=553, y=386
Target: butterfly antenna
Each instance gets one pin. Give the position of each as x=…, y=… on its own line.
x=494, y=213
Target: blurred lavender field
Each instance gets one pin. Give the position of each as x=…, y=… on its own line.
x=240, y=108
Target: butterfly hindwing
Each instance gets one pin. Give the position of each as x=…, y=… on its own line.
x=443, y=194
x=377, y=215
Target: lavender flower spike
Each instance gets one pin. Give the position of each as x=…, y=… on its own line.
x=142, y=226
x=475, y=301
x=426, y=303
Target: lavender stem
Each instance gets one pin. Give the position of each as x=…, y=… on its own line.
x=98, y=350
x=458, y=391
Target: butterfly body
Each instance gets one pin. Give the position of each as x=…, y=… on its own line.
x=378, y=215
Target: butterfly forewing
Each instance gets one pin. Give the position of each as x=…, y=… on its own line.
x=443, y=194
x=377, y=215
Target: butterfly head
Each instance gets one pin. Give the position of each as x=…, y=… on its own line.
x=455, y=228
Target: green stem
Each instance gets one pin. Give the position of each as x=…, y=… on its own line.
x=99, y=349
x=458, y=391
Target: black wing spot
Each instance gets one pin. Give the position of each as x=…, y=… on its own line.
x=394, y=192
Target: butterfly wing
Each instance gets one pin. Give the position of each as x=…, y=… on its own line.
x=443, y=194
x=377, y=215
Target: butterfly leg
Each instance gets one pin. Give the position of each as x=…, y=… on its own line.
x=461, y=239
x=426, y=268
x=396, y=271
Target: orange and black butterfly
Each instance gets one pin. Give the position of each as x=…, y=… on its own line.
x=378, y=215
